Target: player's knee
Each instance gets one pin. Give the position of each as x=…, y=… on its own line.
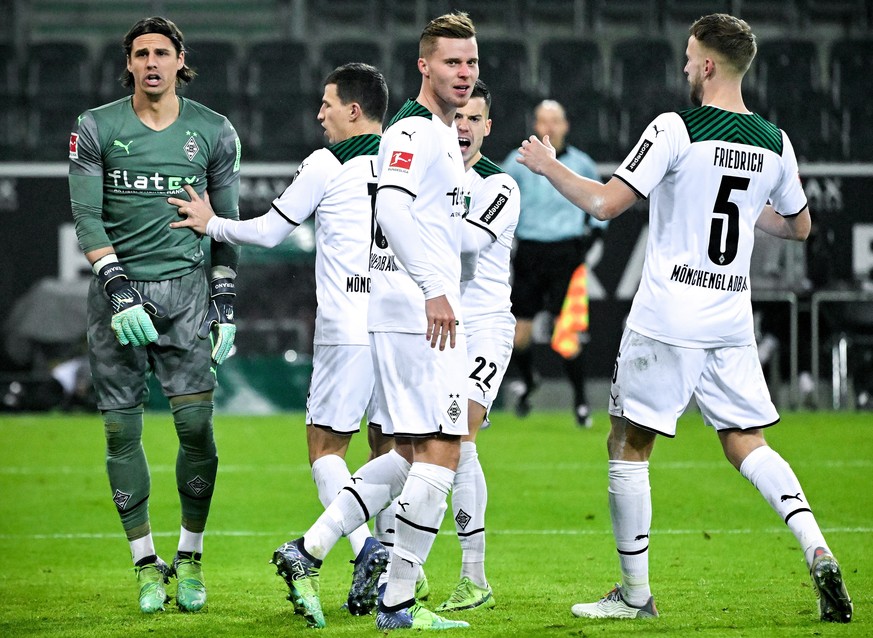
x=123, y=430
x=193, y=422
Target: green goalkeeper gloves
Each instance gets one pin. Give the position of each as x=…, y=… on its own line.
x=130, y=308
x=218, y=323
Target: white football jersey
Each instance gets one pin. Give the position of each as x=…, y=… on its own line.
x=493, y=205
x=337, y=184
x=419, y=155
x=708, y=174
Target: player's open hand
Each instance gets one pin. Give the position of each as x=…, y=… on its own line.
x=536, y=155
x=196, y=213
x=441, y=323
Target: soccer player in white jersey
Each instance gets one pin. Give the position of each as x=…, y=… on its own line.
x=493, y=205
x=336, y=184
x=712, y=174
x=416, y=335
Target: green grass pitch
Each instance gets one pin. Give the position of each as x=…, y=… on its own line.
x=722, y=563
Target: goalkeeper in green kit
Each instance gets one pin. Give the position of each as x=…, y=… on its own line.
x=152, y=305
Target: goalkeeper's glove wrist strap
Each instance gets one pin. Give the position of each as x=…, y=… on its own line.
x=223, y=286
x=110, y=273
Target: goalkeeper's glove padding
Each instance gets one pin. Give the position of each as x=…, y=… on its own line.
x=130, y=308
x=218, y=322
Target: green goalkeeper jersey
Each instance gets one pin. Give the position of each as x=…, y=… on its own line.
x=122, y=172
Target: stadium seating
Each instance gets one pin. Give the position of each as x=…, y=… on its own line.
x=217, y=65
x=404, y=79
x=847, y=13
x=626, y=50
x=787, y=70
x=11, y=102
x=273, y=66
x=570, y=68
x=850, y=64
x=338, y=52
x=813, y=125
x=642, y=14
x=512, y=122
x=642, y=67
x=57, y=87
x=594, y=126
x=504, y=64
x=488, y=15
x=284, y=127
x=783, y=14
x=682, y=13
x=547, y=16
x=857, y=131
x=109, y=66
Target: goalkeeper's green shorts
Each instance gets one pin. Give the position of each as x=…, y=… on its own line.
x=179, y=359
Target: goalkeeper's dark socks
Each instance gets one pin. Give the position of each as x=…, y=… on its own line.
x=147, y=560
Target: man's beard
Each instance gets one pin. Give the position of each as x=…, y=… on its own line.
x=696, y=94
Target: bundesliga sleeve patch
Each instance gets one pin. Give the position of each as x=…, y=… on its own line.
x=74, y=146
x=641, y=153
x=400, y=161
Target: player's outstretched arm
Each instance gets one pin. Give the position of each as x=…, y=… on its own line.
x=602, y=201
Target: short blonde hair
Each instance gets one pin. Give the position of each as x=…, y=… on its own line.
x=456, y=25
x=728, y=36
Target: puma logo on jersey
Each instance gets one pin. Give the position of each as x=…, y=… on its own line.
x=657, y=130
x=121, y=144
x=509, y=189
x=409, y=135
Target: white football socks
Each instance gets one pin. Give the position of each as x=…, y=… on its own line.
x=630, y=506
x=469, y=500
x=420, y=510
x=331, y=474
x=778, y=484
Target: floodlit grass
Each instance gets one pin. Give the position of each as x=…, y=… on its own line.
x=722, y=563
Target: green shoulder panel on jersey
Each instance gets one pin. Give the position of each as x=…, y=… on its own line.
x=707, y=123
x=486, y=168
x=410, y=109
x=354, y=146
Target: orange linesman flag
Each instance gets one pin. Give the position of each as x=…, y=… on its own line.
x=573, y=319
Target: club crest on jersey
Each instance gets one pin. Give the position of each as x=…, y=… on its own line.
x=454, y=410
x=400, y=161
x=74, y=146
x=191, y=148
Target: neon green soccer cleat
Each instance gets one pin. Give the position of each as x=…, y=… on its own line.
x=415, y=617
x=299, y=570
x=422, y=587
x=191, y=591
x=468, y=595
x=152, y=578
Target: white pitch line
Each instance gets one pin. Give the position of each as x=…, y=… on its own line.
x=533, y=467
x=496, y=532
